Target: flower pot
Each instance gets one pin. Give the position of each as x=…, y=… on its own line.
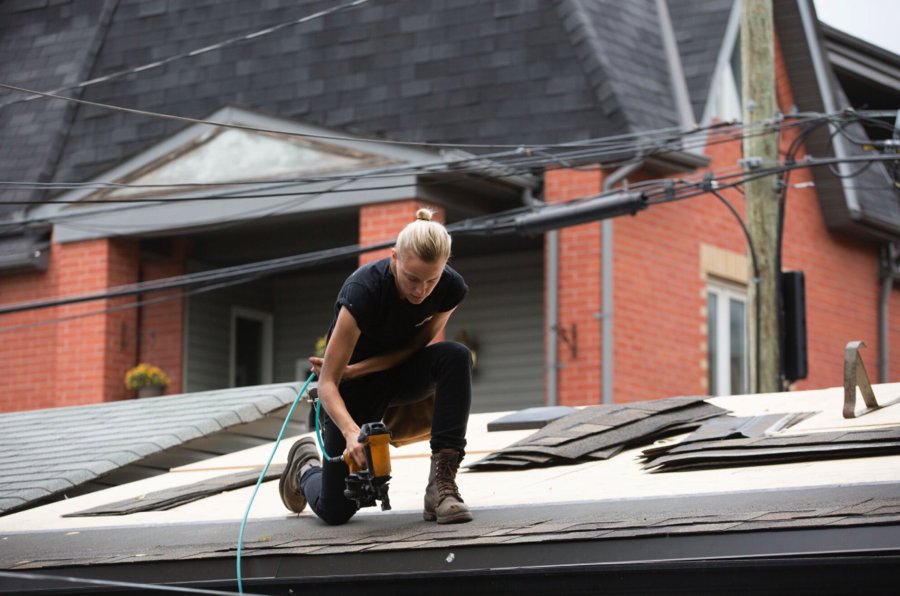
x=151, y=391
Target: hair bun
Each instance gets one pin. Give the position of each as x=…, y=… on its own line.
x=424, y=214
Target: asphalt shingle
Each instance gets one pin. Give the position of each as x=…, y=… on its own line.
x=46, y=452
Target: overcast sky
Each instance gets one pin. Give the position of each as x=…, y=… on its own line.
x=876, y=21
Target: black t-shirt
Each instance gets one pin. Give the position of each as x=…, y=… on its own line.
x=387, y=322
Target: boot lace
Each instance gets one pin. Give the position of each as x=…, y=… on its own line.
x=445, y=470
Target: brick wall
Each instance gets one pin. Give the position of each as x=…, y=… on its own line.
x=71, y=354
x=660, y=285
x=578, y=379
x=383, y=221
x=162, y=323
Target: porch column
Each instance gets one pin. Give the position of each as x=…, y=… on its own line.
x=161, y=339
x=94, y=350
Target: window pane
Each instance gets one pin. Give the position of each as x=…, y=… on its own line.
x=737, y=322
x=712, y=333
x=248, y=352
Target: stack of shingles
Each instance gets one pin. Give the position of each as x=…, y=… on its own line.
x=600, y=432
x=743, y=442
x=170, y=498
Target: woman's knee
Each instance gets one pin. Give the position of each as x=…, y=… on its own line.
x=456, y=353
x=335, y=516
x=336, y=519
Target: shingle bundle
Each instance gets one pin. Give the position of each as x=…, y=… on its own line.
x=600, y=432
x=753, y=451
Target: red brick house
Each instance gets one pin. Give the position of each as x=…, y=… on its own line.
x=626, y=309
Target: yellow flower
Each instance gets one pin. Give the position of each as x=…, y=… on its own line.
x=320, y=346
x=145, y=375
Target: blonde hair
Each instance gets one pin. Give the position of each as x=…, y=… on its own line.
x=428, y=240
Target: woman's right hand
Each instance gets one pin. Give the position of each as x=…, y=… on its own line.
x=355, y=449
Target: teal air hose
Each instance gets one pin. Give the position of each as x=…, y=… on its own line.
x=290, y=413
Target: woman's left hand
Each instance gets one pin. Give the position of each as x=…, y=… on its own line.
x=349, y=370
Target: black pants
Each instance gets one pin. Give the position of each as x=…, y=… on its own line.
x=444, y=369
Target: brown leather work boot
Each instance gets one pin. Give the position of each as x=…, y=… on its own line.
x=303, y=454
x=442, y=501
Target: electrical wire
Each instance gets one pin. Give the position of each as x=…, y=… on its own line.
x=105, y=583
x=193, y=53
x=754, y=263
x=262, y=476
x=499, y=223
x=634, y=137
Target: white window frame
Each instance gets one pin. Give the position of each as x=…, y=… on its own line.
x=725, y=293
x=267, y=321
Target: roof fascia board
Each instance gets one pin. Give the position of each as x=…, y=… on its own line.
x=732, y=29
x=184, y=216
x=823, y=79
x=849, y=43
x=676, y=71
x=858, y=65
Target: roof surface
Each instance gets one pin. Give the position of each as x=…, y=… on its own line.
x=592, y=512
x=48, y=453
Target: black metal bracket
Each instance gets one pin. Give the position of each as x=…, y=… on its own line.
x=570, y=340
x=855, y=376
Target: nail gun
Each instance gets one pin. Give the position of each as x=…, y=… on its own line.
x=366, y=485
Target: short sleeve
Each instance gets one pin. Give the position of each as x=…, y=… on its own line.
x=455, y=293
x=358, y=299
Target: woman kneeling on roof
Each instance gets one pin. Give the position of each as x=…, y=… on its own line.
x=378, y=355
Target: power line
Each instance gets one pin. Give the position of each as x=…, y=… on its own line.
x=191, y=54
x=516, y=147
x=520, y=166
x=46, y=577
x=655, y=192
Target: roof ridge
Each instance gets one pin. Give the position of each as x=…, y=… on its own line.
x=589, y=51
x=88, y=62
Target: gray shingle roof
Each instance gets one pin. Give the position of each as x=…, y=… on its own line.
x=39, y=49
x=424, y=70
x=456, y=71
x=620, y=48
x=48, y=452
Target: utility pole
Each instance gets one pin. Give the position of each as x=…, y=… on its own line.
x=761, y=151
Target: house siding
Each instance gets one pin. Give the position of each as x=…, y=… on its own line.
x=208, y=343
x=502, y=316
x=304, y=307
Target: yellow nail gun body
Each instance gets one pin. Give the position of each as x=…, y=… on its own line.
x=370, y=484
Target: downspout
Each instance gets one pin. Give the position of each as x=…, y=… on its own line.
x=552, y=317
x=686, y=119
x=551, y=291
x=888, y=271
x=606, y=277
x=884, y=344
